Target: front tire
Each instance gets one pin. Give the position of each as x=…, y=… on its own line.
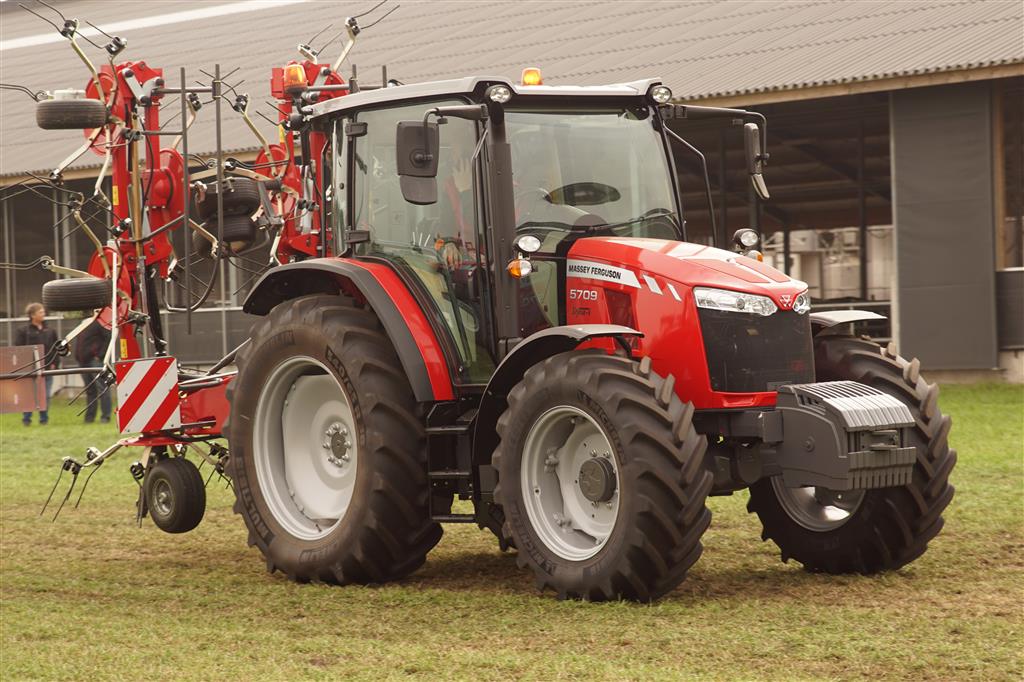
x=328, y=455
x=601, y=478
x=872, y=530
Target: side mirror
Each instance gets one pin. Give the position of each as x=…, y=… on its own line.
x=417, y=145
x=755, y=158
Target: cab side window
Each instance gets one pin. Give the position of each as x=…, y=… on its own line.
x=437, y=245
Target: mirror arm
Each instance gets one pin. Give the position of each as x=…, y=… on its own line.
x=707, y=178
x=696, y=112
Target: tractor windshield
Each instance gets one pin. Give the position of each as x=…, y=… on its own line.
x=600, y=171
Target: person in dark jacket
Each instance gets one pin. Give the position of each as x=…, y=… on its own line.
x=89, y=350
x=36, y=332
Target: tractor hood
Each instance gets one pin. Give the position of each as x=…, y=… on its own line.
x=648, y=263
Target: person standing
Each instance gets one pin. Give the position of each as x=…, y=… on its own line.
x=36, y=332
x=89, y=351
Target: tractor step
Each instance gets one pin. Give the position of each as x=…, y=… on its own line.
x=448, y=430
x=453, y=518
x=448, y=474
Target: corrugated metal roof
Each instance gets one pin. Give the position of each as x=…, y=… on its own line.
x=701, y=49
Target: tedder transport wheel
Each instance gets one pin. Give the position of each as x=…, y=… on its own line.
x=175, y=495
x=76, y=293
x=328, y=451
x=866, y=531
x=70, y=114
x=601, y=477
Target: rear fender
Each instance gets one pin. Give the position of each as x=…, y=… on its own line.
x=380, y=288
x=510, y=371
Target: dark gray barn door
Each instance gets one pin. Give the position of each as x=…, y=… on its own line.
x=943, y=214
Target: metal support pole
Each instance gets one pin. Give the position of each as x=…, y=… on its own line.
x=754, y=209
x=56, y=245
x=863, y=212
x=787, y=257
x=220, y=208
x=186, y=210
x=721, y=239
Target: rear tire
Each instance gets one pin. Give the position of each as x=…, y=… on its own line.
x=887, y=527
x=383, y=529
x=647, y=481
x=76, y=293
x=70, y=114
x=175, y=495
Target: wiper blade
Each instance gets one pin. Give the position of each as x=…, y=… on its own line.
x=650, y=215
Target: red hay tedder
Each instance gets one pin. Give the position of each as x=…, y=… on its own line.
x=479, y=289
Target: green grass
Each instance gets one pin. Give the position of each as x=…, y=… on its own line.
x=94, y=597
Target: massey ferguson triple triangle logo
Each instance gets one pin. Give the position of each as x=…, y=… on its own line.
x=785, y=299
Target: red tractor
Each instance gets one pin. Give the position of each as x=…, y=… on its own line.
x=486, y=294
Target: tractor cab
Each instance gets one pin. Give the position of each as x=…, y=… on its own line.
x=476, y=190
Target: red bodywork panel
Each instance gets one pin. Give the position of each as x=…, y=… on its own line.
x=419, y=326
x=204, y=405
x=647, y=284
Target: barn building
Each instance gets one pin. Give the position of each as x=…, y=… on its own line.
x=896, y=133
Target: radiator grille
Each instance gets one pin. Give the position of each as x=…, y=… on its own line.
x=750, y=353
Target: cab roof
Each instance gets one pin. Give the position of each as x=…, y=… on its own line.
x=468, y=85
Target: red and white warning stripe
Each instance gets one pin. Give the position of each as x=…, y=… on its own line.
x=147, y=395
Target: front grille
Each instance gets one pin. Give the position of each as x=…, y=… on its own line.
x=750, y=353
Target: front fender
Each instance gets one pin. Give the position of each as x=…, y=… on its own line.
x=826, y=319
x=510, y=371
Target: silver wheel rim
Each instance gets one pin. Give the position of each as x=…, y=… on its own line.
x=557, y=447
x=163, y=502
x=304, y=448
x=815, y=508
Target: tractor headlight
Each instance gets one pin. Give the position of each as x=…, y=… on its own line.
x=802, y=304
x=733, y=301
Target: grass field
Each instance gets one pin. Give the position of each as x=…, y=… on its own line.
x=94, y=597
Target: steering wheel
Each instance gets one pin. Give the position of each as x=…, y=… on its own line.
x=526, y=200
x=657, y=221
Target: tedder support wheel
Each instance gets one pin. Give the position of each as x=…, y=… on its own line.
x=175, y=495
x=242, y=197
x=601, y=477
x=237, y=228
x=328, y=448
x=77, y=293
x=866, y=531
x=70, y=114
